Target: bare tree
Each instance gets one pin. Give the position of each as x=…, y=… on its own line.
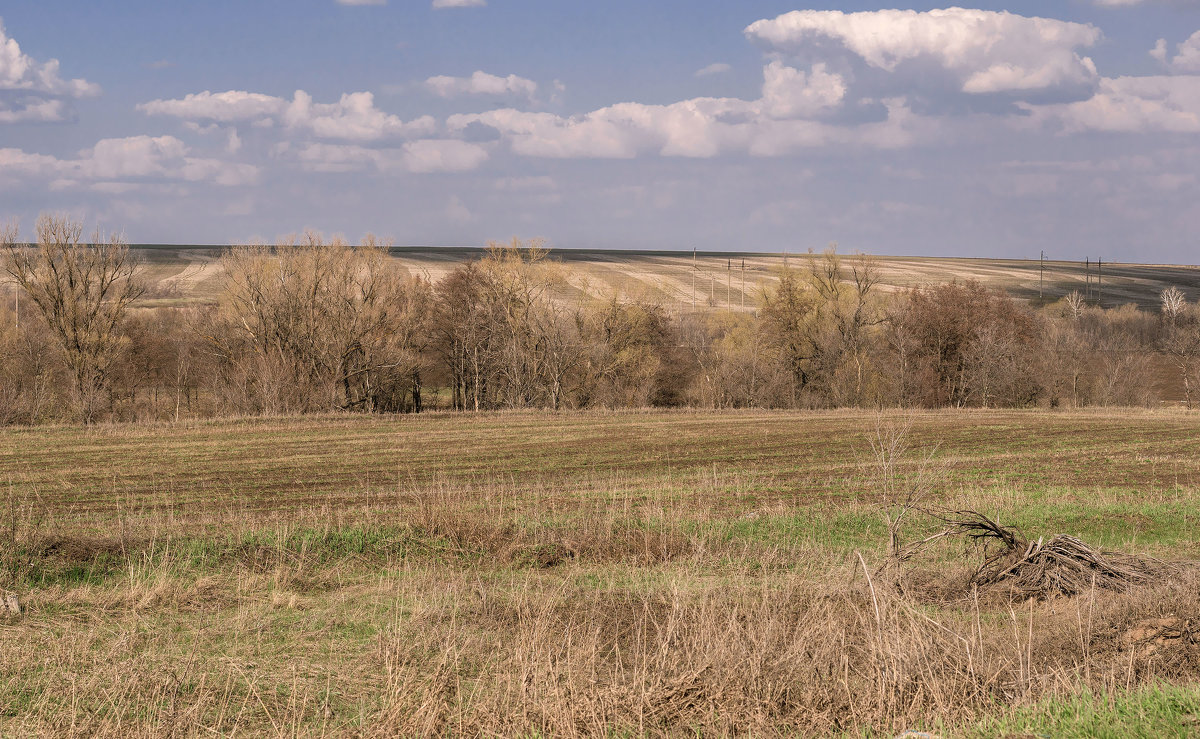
x=335, y=326
x=1181, y=342
x=1075, y=304
x=506, y=341
x=820, y=322
x=1173, y=303
x=83, y=291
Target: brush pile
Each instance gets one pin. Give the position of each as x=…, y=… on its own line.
x=1061, y=565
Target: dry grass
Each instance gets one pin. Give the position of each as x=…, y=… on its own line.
x=628, y=596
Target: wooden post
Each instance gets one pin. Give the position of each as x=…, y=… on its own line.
x=694, y=280
x=743, y=284
x=1041, y=272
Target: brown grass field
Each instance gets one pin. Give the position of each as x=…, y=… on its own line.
x=624, y=574
x=191, y=274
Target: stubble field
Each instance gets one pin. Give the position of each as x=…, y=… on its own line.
x=636, y=574
x=182, y=275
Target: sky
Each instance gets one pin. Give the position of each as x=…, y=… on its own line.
x=996, y=130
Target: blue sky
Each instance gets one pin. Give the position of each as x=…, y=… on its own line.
x=992, y=130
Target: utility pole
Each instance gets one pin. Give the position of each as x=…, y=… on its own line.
x=693, y=279
x=1087, y=278
x=1041, y=272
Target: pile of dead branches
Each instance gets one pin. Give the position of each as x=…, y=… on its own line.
x=1061, y=565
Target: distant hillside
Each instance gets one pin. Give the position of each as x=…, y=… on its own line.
x=192, y=274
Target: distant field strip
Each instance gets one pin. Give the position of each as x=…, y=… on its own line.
x=716, y=279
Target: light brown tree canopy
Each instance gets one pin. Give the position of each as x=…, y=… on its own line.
x=82, y=290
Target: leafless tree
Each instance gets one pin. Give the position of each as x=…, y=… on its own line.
x=1075, y=304
x=338, y=326
x=82, y=290
x=1181, y=342
x=1173, y=303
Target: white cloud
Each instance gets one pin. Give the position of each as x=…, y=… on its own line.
x=838, y=97
x=700, y=128
x=226, y=107
x=15, y=161
x=781, y=121
x=317, y=157
x=481, y=83
x=162, y=158
x=354, y=117
x=1169, y=104
x=34, y=89
x=439, y=4
x=791, y=93
x=984, y=51
x=1159, y=51
x=443, y=155
x=19, y=71
x=33, y=110
x=1187, y=58
x=713, y=69
x=418, y=157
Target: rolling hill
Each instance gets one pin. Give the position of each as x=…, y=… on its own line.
x=721, y=279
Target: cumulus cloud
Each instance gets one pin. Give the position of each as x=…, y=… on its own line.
x=33, y=110
x=1166, y=104
x=226, y=107
x=814, y=93
x=18, y=162
x=443, y=155
x=135, y=158
x=354, y=117
x=481, y=83
x=792, y=93
x=1187, y=57
x=418, y=157
x=984, y=52
x=33, y=91
x=713, y=69
x=18, y=71
x=440, y=4
x=1159, y=51
x=699, y=128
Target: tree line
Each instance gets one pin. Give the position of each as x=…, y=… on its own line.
x=312, y=325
